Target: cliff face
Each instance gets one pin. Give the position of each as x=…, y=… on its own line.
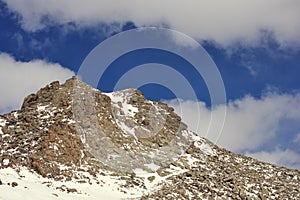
x=74, y=136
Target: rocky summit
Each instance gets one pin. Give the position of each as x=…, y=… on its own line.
x=71, y=141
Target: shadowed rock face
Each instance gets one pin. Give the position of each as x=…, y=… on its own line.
x=65, y=131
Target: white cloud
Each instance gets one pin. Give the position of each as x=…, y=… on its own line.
x=249, y=123
x=222, y=21
x=280, y=157
x=18, y=79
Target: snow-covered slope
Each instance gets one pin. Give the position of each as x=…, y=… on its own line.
x=28, y=185
x=71, y=141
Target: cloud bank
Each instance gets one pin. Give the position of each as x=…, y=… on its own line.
x=224, y=22
x=250, y=124
x=281, y=157
x=18, y=79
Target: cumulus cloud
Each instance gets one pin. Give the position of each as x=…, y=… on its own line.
x=287, y=157
x=249, y=122
x=18, y=79
x=224, y=22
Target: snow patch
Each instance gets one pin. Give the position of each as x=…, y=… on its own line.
x=5, y=162
x=152, y=166
x=205, y=148
x=41, y=108
x=31, y=185
x=192, y=160
x=15, y=114
x=2, y=123
x=139, y=171
x=125, y=128
x=69, y=121
x=119, y=99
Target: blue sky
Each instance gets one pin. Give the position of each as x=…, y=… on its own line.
x=255, y=46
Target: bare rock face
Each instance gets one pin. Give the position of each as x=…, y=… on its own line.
x=71, y=131
x=42, y=136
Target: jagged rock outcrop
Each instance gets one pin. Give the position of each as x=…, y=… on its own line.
x=41, y=136
x=72, y=132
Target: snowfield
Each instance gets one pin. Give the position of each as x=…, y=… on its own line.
x=31, y=186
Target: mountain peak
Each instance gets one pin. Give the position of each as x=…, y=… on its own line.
x=70, y=137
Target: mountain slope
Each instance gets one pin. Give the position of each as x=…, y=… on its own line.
x=71, y=141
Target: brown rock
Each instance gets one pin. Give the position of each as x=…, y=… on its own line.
x=14, y=184
x=151, y=178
